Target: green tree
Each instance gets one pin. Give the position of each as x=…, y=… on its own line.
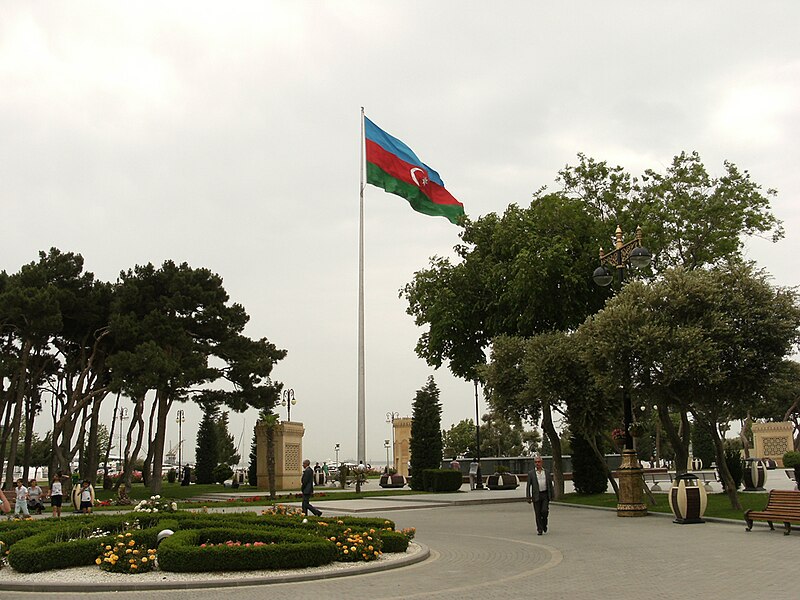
x=206, y=452
x=426, y=434
x=226, y=446
x=459, y=440
x=702, y=445
x=501, y=436
x=180, y=333
x=709, y=341
x=252, y=465
x=588, y=471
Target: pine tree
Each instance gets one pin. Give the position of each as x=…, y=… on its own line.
x=426, y=433
x=207, y=446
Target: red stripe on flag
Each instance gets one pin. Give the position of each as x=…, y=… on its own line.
x=392, y=165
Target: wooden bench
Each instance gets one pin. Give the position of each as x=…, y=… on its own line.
x=783, y=506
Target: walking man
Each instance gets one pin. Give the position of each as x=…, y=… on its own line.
x=539, y=490
x=307, y=488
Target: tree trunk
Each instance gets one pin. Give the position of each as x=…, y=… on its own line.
x=555, y=443
x=164, y=404
x=592, y=441
x=19, y=398
x=728, y=484
x=745, y=423
x=678, y=439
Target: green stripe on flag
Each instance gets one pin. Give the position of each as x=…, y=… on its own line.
x=418, y=201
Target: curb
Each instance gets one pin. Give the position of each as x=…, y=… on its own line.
x=90, y=587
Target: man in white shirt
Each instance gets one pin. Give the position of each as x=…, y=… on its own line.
x=539, y=490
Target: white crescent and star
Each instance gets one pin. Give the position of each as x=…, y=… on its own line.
x=424, y=180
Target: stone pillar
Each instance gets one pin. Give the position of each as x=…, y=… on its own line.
x=402, y=445
x=288, y=441
x=773, y=440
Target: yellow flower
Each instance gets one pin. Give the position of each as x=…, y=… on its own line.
x=131, y=543
x=128, y=551
x=108, y=547
x=98, y=561
x=144, y=559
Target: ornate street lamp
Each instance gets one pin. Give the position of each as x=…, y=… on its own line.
x=181, y=417
x=336, y=449
x=123, y=414
x=386, y=445
x=632, y=254
x=288, y=401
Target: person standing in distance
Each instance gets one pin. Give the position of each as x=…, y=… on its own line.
x=307, y=488
x=539, y=490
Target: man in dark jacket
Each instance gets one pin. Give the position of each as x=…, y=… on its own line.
x=307, y=488
x=539, y=490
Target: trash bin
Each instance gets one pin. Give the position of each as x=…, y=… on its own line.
x=755, y=475
x=687, y=499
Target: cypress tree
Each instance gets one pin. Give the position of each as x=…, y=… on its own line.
x=588, y=474
x=426, y=432
x=252, y=467
x=207, y=446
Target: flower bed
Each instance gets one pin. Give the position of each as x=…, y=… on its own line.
x=201, y=542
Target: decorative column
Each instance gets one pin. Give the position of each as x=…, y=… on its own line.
x=402, y=444
x=288, y=442
x=772, y=440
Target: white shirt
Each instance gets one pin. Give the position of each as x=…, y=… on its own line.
x=541, y=477
x=55, y=489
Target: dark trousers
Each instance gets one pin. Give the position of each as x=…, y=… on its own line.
x=541, y=509
x=308, y=507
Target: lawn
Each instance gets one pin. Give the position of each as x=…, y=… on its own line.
x=255, y=497
x=718, y=504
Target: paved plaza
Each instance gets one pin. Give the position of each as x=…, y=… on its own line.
x=484, y=545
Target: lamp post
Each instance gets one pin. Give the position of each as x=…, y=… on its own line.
x=288, y=401
x=181, y=417
x=478, y=477
x=623, y=255
x=386, y=445
x=390, y=417
x=123, y=414
x=336, y=449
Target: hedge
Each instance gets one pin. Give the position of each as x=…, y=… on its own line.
x=47, y=544
x=182, y=552
x=441, y=480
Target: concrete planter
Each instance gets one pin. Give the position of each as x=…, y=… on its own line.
x=502, y=481
x=392, y=481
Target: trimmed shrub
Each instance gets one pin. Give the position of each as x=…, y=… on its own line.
x=441, y=480
x=172, y=475
x=223, y=549
x=791, y=460
x=393, y=541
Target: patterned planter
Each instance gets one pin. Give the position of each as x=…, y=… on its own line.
x=688, y=500
x=392, y=481
x=502, y=481
x=754, y=475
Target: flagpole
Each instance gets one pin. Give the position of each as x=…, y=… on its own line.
x=362, y=458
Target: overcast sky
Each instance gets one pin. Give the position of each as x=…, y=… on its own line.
x=228, y=136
